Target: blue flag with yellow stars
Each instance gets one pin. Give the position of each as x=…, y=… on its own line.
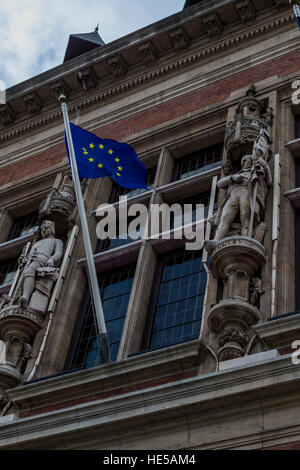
x=97, y=157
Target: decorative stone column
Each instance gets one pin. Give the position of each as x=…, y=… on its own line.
x=237, y=251
x=235, y=261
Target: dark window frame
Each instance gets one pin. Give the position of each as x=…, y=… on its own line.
x=151, y=315
x=83, y=312
x=8, y=262
x=179, y=163
x=297, y=126
x=20, y=222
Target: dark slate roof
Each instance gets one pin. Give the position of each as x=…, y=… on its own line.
x=80, y=43
x=189, y=3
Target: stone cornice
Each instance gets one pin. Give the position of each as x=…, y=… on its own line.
x=194, y=395
x=218, y=48
x=108, y=377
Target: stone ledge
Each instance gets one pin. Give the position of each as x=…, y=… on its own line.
x=14, y=247
x=294, y=147
x=294, y=197
x=192, y=396
x=279, y=333
x=141, y=371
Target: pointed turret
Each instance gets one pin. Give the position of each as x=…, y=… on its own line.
x=78, y=44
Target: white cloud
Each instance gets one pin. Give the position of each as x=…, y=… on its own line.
x=34, y=33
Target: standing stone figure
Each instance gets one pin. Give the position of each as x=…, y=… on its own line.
x=246, y=193
x=44, y=253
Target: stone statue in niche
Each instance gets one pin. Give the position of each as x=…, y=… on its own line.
x=40, y=262
x=246, y=194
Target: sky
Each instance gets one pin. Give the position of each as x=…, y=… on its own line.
x=34, y=33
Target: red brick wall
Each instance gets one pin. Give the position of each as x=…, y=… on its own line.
x=108, y=394
x=180, y=106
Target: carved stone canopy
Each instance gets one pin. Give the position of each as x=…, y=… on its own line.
x=251, y=117
x=60, y=204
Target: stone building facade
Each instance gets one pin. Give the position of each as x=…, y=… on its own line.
x=201, y=341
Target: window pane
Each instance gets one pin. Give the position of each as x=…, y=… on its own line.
x=24, y=225
x=7, y=271
x=115, y=291
x=180, y=299
x=200, y=161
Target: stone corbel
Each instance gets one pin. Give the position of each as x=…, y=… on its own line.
x=212, y=25
x=282, y=3
x=117, y=65
x=246, y=10
x=33, y=103
x=60, y=88
x=179, y=39
x=147, y=52
x=87, y=78
x=7, y=115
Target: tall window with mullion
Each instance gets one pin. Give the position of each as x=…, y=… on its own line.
x=177, y=312
x=115, y=288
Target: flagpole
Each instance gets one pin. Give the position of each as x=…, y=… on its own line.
x=95, y=294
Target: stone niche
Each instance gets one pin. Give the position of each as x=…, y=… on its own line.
x=23, y=310
x=237, y=252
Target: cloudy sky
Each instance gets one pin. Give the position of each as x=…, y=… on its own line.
x=34, y=33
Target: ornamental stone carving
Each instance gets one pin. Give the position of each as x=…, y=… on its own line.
x=251, y=117
x=60, y=204
x=246, y=194
x=60, y=87
x=33, y=103
x=4, y=400
x=117, y=65
x=212, y=25
x=7, y=116
x=237, y=251
x=246, y=10
x=87, y=78
x=147, y=52
x=179, y=39
x=40, y=264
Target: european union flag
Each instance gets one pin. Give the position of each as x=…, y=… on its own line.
x=97, y=157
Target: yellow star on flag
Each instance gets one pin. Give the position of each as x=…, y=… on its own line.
x=92, y=146
x=118, y=174
x=84, y=151
x=91, y=159
x=101, y=146
x=100, y=165
x=117, y=159
x=120, y=168
x=110, y=151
